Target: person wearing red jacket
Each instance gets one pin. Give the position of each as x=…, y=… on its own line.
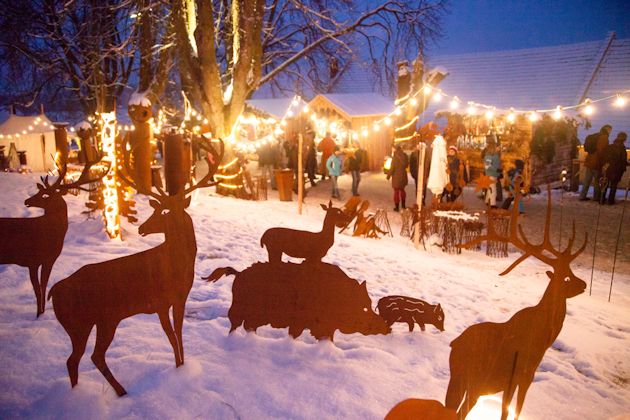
x=327, y=147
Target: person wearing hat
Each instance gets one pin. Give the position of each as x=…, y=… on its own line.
x=452, y=189
x=614, y=161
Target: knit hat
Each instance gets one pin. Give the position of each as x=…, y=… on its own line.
x=453, y=148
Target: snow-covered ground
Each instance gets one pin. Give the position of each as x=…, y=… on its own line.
x=585, y=375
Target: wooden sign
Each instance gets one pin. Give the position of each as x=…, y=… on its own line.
x=490, y=357
x=36, y=242
x=152, y=281
x=318, y=297
x=312, y=246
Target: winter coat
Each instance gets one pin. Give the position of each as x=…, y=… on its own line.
x=594, y=160
x=398, y=170
x=267, y=155
x=413, y=163
x=355, y=160
x=327, y=147
x=615, y=156
x=334, y=165
x=438, y=178
x=311, y=159
x=492, y=163
x=453, y=170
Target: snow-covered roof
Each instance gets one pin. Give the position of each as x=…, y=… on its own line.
x=543, y=78
x=360, y=104
x=275, y=107
x=139, y=99
x=18, y=124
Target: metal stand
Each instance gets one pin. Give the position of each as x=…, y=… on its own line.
x=623, y=212
x=602, y=182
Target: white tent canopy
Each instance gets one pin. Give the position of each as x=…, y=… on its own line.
x=33, y=134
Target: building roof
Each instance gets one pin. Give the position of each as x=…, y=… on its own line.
x=543, y=78
x=275, y=107
x=355, y=105
x=18, y=124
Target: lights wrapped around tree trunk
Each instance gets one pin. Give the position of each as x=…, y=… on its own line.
x=111, y=216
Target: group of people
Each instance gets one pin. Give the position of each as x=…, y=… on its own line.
x=604, y=165
x=275, y=155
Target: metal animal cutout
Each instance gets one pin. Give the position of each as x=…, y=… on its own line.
x=152, y=281
x=490, y=357
x=416, y=409
x=318, y=297
x=411, y=311
x=312, y=246
x=36, y=242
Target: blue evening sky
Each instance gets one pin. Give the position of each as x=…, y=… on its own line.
x=492, y=25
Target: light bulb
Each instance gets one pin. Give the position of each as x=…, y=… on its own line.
x=620, y=101
x=289, y=113
x=471, y=110
x=377, y=127
x=388, y=121
x=533, y=116
x=437, y=97
x=454, y=103
x=413, y=101
x=589, y=109
x=364, y=132
x=427, y=89
x=355, y=136
x=557, y=114
x=305, y=109
x=398, y=111
x=489, y=114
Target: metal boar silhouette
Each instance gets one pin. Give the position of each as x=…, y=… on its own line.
x=319, y=297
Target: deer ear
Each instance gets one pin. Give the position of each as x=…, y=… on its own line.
x=550, y=274
x=187, y=201
x=40, y=187
x=364, y=285
x=437, y=308
x=329, y=203
x=154, y=203
x=323, y=207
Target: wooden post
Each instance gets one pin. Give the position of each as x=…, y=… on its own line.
x=61, y=144
x=300, y=175
x=175, y=173
x=141, y=144
x=419, y=192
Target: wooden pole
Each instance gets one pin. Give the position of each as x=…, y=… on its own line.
x=300, y=174
x=623, y=212
x=419, y=192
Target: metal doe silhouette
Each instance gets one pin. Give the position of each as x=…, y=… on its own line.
x=36, y=242
x=312, y=246
x=489, y=357
x=152, y=281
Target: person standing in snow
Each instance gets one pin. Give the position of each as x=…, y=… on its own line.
x=492, y=163
x=516, y=184
x=267, y=161
x=615, y=160
x=451, y=193
x=355, y=160
x=413, y=167
x=594, y=146
x=327, y=147
x=398, y=174
x=334, y=166
x=311, y=161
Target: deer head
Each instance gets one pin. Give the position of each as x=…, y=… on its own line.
x=334, y=215
x=564, y=283
x=168, y=213
x=51, y=196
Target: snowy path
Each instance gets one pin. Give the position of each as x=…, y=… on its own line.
x=268, y=375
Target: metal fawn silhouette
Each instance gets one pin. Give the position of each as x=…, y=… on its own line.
x=489, y=357
x=312, y=246
x=36, y=242
x=151, y=281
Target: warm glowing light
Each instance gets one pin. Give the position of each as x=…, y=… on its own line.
x=589, y=109
x=30, y=127
x=413, y=101
x=620, y=101
x=489, y=407
x=289, y=113
x=398, y=111
x=388, y=121
x=295, y=101
x=511, y=117
x=489, y=114
x=283, y=123
x=205, y=121
x=355, y=136
x=110, y=193
x=471, y=110
x=333, y=126
x=557, y=114
x=437, y=97
x=533, y=116
x=305, y=109
x=427, y=89
x=377, y=127
x=454, y=103
x=314, y=116
x=364, y=132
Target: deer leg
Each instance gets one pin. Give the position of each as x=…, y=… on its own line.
x=508, y=394
x=104, y=336
x=165, y=320
x=520, y=397
x=178, y=320
x=45, y=275
x=79, y=339
x=33, y=271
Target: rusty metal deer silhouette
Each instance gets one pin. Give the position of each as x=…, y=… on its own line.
x=489, y=357
x=36, y=242
x=312, y=246
x=152, y=281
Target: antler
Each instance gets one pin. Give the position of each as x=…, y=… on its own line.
x=127, y=152
x=518, y=238
x=213, y=160
x=83, y=179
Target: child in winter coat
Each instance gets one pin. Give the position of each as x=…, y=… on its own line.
x=334, y=166
x=492, y=163
x=516, y=183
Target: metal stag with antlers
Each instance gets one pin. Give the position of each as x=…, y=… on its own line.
x=152, y=281
x=36, y=242
x=490, y=357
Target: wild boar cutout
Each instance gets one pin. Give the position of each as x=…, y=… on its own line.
x=148, y=282
x=321, y=298
x=411, y=311
x=490, y=357
x=36, y=242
